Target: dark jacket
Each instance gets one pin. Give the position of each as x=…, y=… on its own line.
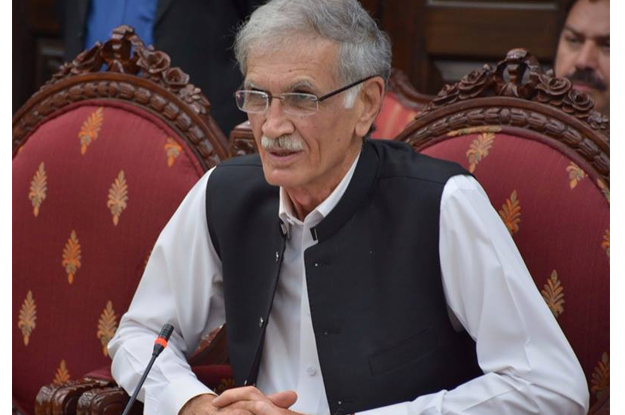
x=374, y=283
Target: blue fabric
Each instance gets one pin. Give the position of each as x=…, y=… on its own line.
x=105, y=15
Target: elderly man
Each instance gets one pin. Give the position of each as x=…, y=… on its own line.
x=583, y=53
x=353, y=275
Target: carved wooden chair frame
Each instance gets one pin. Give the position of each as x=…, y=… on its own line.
x=138, y=75
x=400, y=85
x=123, y=68
x=518, y=95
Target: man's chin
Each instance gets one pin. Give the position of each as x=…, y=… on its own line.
x=279, y=177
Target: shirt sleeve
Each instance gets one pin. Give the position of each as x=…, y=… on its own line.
x=529, y=366
x=182, y=285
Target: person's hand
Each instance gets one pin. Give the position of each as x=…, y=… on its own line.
x=199, y=405
x=247, y=401
x=251, y=400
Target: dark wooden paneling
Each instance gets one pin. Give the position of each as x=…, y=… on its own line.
x=434, y=41
x=482, y=32
x=37, y=47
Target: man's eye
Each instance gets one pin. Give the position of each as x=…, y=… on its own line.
x=573, y=40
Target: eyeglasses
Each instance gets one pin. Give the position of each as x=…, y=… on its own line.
x=294, y=103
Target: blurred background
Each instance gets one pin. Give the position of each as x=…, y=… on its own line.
x=434, y=41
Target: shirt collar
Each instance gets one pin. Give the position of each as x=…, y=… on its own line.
x=286, y=211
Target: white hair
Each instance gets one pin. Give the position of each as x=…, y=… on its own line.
x=364, y=49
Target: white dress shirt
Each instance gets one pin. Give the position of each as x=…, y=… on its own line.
x=529, y=366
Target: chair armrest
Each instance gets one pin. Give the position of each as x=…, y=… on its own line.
x=106, y=401
x=63, y=398
x=98, y=394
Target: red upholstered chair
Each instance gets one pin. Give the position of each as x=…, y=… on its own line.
x=399, y=107
x=542, y=155
x=101, y=160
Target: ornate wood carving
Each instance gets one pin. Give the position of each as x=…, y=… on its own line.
x=400, y=85
x=517, y=94
x=123, y=68
x=519, y=75
x=62, y=399
x=242, y=140
x=106, y=401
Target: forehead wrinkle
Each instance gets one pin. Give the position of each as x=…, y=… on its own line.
x=580, y=33
x=291, y=87
x=250, y=85
x=301, y=83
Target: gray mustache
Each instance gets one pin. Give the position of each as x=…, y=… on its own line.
x=284, y=142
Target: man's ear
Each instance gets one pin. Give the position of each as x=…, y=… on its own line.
x=369, y=104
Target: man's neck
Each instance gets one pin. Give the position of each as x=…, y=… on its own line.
x=306, y=198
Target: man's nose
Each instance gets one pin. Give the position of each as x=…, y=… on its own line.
x=588, y=57
x=276, y=121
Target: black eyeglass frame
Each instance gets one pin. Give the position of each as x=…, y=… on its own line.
x=270, y=97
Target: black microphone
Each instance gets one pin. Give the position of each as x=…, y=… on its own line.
x=159, y=345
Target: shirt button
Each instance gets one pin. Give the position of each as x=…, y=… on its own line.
x=261, y=321
x=311, y=370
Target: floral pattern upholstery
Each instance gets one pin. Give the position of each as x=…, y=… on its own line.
x=557, y=211
x=92, y=188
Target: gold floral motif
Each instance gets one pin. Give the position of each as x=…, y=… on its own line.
x=71, y=256
x=62, y=374
x=107, y=325
x=601, y=376
x=90, y=129
x=173, y=150
x=479, y=149
x=553, y=294
x=475, y=130
x=224, y=385
x=38, y=188
x=605, y=244
x=576, y=174
x=118, y=197
x=604, y=189
x=511, y=213
x=27, y=317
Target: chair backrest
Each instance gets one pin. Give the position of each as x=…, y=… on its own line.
x=103, y=154
x=401, y=104
x=542, y=155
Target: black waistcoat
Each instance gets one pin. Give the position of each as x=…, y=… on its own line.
x=374, y=283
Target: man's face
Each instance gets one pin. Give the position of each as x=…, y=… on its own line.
x=325, y=141
x=584, y=50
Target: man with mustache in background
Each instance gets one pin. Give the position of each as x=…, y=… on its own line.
x=583, y=54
